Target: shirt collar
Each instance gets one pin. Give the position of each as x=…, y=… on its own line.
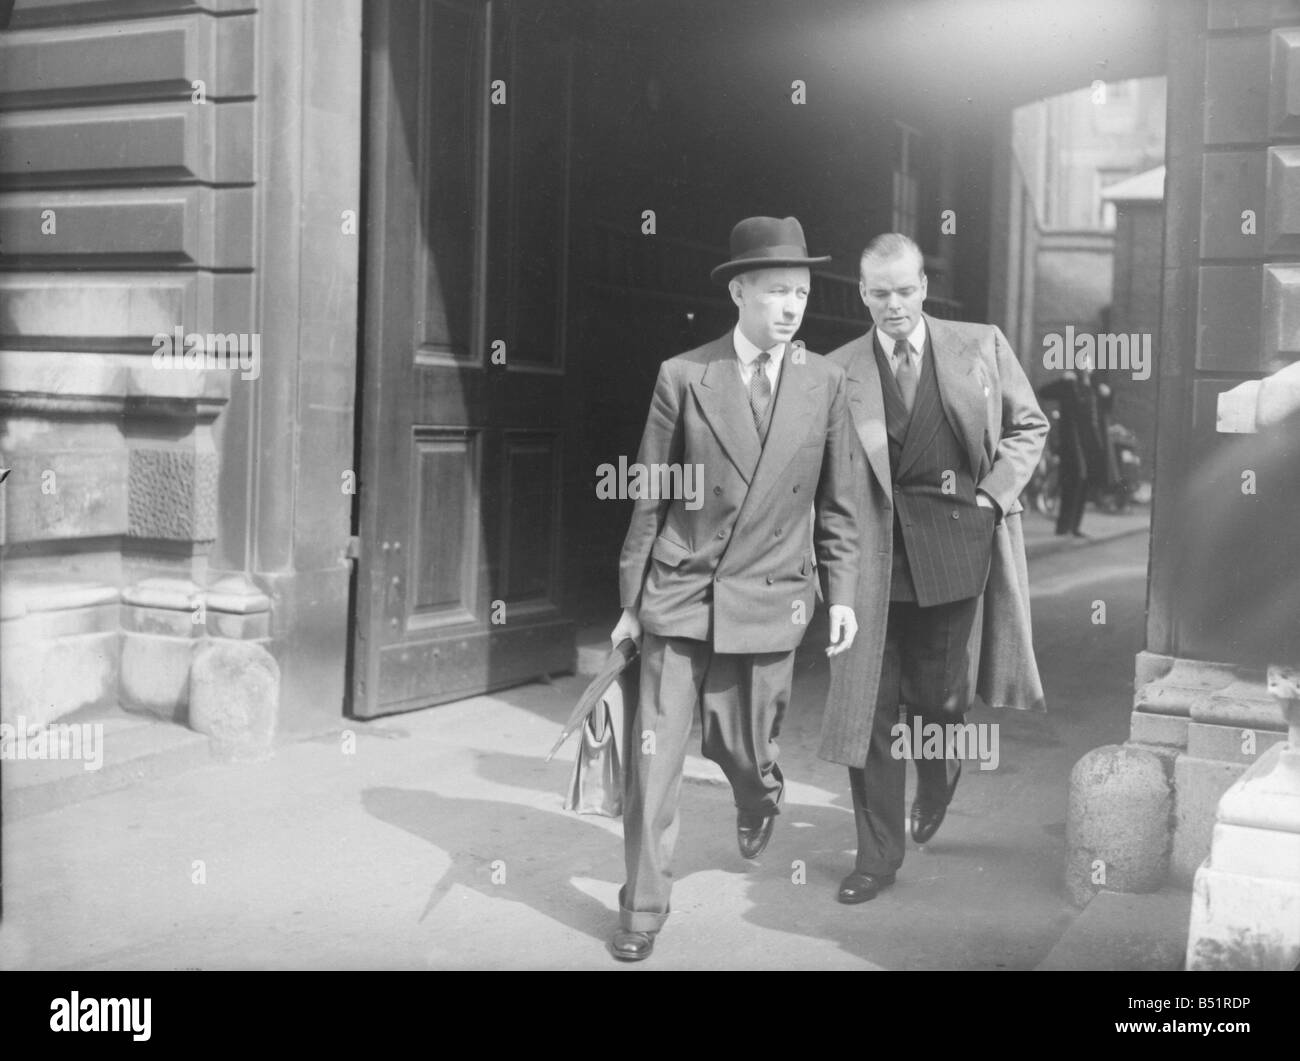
x=747, y=351
x=917, y=339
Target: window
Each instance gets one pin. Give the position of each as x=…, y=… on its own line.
x=907, y=193
x=1104, y=210
x=517, y=190
x=528, y=184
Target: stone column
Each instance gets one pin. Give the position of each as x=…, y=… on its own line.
x=287, y=482
x=1246, y=895
x=1221, y=601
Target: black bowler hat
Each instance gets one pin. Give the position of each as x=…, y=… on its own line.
x=765, y=243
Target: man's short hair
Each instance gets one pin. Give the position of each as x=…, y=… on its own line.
x=888, y=246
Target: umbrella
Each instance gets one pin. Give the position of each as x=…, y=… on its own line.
x=623, y=654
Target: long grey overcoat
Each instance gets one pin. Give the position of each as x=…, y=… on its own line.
x=992, y=408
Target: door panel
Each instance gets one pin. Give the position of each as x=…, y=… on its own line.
x=459, y=587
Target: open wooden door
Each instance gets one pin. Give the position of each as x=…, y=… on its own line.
x=463, y=368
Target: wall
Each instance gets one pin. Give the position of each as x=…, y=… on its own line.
x=1222, y=598
x=175, y=165
x=1072, y=285
x=1135, y=309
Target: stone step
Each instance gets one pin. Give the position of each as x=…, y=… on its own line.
x=133, y=748
x=1118, y=931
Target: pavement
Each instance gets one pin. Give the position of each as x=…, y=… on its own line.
x=437, y=839
x=1041, y=538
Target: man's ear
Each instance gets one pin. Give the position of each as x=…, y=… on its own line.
x=862, y=291
x=734, y=286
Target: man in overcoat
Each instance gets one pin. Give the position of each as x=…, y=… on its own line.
x=948, y=433
x=720, y=589
x=1082, y=464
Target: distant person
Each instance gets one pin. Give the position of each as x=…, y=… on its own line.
x=1109, y=476
x=1082, y=458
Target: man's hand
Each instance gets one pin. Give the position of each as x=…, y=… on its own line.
x=844, y=628
x=984, y=501
x=628, y=626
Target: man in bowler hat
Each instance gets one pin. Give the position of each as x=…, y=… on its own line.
x=720, y=595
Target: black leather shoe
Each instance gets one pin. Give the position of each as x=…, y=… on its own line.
x=631, y=946
x=927, y=819
x=753, y=831
x=861, y=887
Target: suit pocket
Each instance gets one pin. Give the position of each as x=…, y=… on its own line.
x=669, y=552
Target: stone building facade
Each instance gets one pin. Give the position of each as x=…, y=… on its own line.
x=157, y=163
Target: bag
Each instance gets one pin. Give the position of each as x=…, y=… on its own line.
x=599, y=768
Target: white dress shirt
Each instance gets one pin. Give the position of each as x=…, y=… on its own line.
x=917, y=339
x=747, y=352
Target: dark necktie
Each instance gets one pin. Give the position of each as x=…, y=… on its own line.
x=760, y=390
x=906, y=373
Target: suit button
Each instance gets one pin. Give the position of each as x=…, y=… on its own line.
x=717, y=490
x=954, y=515
x=796, y=488
x=769, y=580
x=717, y=578
x=722, y=534
x=778, y=532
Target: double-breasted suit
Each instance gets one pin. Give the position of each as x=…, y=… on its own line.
x=930, y=554
x=731, y=571
x=724, y=587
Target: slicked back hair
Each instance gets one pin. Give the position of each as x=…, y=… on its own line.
x=888, y=246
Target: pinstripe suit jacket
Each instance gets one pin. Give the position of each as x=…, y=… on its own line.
x=992, y=409
x=942, y=537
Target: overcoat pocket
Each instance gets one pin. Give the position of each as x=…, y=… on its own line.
x=672, y=553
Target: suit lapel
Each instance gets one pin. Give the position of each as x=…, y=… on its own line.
x=896, y=415
x=867, y=406
x=961, y=388
x=723, y=401
x=791, y=415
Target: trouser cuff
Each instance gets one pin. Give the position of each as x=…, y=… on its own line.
x=640, y=920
